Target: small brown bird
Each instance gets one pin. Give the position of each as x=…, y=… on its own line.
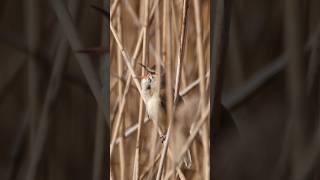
x=155, y=96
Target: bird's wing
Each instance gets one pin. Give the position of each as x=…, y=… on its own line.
x=163, y=98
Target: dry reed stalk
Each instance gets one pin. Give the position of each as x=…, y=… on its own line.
x=131, y=11
x=183, y=76
x=132, y=130
x=114, y=110
x=122, y=152
x=120, y=94
x=168, y=75
x=201, y=69
x=144, y=61
x=156, y=54
x=126, y=59
x=183, y=30
x=114, y=8
x=192, y=85
x=176, y=21
x=139, y=24
x=175, y=35
x=135, y=17
x=183, y=71
x=155, y=5
x=180, y=173
x=119, y=57
x=176, y=38
x=153, y=161
x=140, y=118
x=165, y=58
x=190, y=139
x=150, y=168
x=123, y=100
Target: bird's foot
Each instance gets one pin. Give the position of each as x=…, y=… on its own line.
x=163, y=138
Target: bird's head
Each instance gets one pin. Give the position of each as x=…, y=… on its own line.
x=149, y=84
x=149, y=81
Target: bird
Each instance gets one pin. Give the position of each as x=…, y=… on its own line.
x=154, y=92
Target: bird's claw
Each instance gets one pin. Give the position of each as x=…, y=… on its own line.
x=163, y=138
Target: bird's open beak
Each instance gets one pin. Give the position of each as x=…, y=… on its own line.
x=149, y=70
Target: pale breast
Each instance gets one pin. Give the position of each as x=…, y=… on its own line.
x=154, y=109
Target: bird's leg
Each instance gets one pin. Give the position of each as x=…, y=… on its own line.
x=162, y=138
x=160, y=131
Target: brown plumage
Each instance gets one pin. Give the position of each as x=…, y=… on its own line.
x=156, y=105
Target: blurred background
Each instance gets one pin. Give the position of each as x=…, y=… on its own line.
x=51, y=125
x=52, y=122
x=271, y=88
